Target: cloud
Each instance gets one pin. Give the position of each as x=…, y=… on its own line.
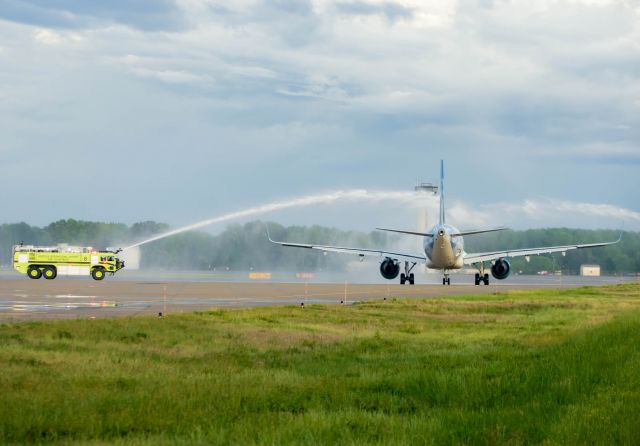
x=142, y=14
x=174, y=77
x=545, y=213
x=520, y=98
x=390, y=10
x=51, y=37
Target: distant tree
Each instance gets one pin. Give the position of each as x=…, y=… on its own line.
x=15, y=233
x=80, y=232
x=244, y=247
x=147, y=229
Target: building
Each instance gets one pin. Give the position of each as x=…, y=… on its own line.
x=590, y=270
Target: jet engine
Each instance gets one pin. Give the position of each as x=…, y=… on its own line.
x=389, y=269
x=501, y=269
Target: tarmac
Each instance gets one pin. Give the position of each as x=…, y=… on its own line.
x=25, y=299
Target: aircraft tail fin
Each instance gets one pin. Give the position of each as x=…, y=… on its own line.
x=442, y=219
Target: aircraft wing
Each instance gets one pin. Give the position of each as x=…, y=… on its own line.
x=488, y=256
x=361, y=252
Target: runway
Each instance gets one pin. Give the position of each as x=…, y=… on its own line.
x=25, y=299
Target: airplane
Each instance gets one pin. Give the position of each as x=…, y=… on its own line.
x=444, y=250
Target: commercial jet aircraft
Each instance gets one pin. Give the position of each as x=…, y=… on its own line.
x=444, y=250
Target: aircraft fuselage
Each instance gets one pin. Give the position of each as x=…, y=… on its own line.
x=444, y=249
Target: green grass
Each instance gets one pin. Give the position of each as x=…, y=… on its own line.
x=551, y=367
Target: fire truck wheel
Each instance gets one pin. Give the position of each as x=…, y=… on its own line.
x=97, y=274
x=50, y=272
x=34, y=272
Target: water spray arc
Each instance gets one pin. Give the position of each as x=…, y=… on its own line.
x=309, y=200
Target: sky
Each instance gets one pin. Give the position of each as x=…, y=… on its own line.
x=184, y=110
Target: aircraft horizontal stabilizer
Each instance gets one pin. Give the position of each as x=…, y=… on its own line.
x=480, y=231
x=422, y=234
x=454, y=234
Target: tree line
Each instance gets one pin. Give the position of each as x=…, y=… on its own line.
x=245, y=247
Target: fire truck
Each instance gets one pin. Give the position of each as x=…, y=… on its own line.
x=51, y=261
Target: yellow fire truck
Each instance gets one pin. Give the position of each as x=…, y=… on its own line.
x=51, y=261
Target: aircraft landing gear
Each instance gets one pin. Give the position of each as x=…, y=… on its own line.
x=407, y=275
x=446, y=280
x=410, y=278
x=482, y=276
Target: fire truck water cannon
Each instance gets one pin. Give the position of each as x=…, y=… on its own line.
x=51, y=261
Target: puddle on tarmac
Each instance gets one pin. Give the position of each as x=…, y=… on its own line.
x=43, y=306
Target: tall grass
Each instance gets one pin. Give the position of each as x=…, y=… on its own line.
x=527, y=367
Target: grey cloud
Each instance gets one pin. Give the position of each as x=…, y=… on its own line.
x=392, y=11
x=264, y=11
x=141, y=14
x=294, y=22
x=297, y=7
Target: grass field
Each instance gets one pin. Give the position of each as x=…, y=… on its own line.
x=551, y=367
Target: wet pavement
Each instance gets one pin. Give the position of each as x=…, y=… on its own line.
x=23, y=299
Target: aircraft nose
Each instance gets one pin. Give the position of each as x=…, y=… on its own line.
x=441, y=232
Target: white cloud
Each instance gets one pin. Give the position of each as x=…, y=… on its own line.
x=252, y=71
x=174, y=77
x=528, y=213
x=545, y=213
x=55, y=38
